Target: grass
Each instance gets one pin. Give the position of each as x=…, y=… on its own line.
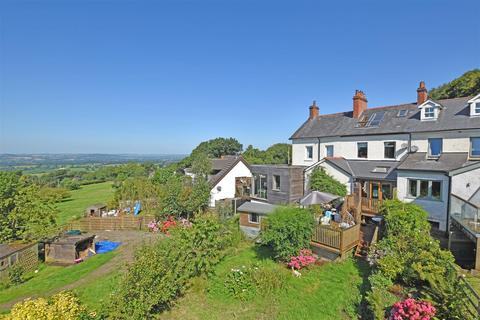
x=331, y=291
x=74, y=207
x=53, y=277
x=96, y=293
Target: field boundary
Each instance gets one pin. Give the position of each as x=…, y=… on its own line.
x=111, y=223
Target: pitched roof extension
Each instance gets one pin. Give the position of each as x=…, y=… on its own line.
x=371, y=169
x=445, y=163
x=224, y=166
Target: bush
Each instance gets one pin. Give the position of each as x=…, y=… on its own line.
x=15, y=274
x=287, y=231
x=304, y=259
x=322, y=181
x=161, y=270
x=411, y=309
x=62, y=306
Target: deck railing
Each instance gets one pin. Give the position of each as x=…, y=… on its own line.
x=338, y=239
x=371, y=205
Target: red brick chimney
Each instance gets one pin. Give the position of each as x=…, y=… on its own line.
x=314, y=111
x=422, y=93
x=359, y=103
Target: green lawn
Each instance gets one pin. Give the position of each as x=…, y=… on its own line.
x=53, y=277
x=331, y=291
x=74, y=206
x=96, y=293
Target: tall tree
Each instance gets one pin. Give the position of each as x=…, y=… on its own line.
x=24, y=213
x=466, y=85
x=279, y=153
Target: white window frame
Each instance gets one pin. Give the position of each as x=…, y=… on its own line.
x=250, y=220
x=429, y=191
x=276, y=187
x=358, y=144
x=394, y=149
x=429, y=114
x=476, y=108
x=307, y=152
x=326, y=150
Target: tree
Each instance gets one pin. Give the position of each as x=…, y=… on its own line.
x=278, y=153
x=24, y=213
x=322, y=181
x=201, y=166
x=466, y=85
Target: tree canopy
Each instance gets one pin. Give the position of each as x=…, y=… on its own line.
x=25, y=214
x=466, y=85
x=278, y=153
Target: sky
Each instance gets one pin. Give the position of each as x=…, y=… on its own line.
x=159, y=77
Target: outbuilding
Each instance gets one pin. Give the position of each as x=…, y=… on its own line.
x=24, y=255
x=69, y=249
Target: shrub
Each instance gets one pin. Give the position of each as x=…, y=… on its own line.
x=411, y=309
x=62, y=306
x=160, y=271
x=322, y=181
x=287, y=231
x=15, y=274
x=304, y=259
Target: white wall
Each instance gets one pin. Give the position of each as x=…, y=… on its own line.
x=453, y=141
x=466, y=184
x=346, y=147
x=227, y=184
x=437, y=210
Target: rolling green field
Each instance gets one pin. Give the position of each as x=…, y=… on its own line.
x=332, y=291
x=74, y=206
x=53, y=277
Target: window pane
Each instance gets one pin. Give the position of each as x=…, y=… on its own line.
x=386, y=191
x=362, y=150
x=477, y=107
x=329, y=151
x=253, y=217
x=309, y=150
x=436, y=190
x=434, y=147
x=389, y=150
x=276, y=182
x=423, y=188
x=413, y=188
x=260, y=186
x=475, y=152
x=429, y=112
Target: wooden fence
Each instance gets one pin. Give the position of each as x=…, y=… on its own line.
x=111, y=223
x=472, y=298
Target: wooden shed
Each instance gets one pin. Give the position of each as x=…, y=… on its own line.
x=68, y=249
x=95, y=210
x=24, y=255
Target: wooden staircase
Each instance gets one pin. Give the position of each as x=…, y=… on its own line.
x=368, y=236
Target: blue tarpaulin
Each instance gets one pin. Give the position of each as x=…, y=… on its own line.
x=106, y=246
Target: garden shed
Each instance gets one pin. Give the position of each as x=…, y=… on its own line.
x=24, y=255
x=95, y=210
x=69, y=249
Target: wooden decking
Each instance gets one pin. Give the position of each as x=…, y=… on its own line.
x=336, y=240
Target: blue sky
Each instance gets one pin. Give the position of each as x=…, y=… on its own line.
x=162, y=76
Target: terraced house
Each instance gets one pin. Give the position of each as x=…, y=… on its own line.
x=427, y=152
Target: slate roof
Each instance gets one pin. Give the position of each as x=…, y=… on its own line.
x=366, y=169
x=257, y=207
x=445, y=163
x=222, y=166
x=455, y=115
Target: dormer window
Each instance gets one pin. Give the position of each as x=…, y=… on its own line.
x=429, y=113
x=474, y=106
x=429, y=110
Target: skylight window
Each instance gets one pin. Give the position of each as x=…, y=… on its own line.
x=375, y=119
x=402, y=113
x=380, y=169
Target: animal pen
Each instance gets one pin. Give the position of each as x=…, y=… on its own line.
x=69, y=249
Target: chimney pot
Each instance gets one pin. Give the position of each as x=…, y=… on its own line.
x=314, y=111
x=359, y=103
x=422, y=93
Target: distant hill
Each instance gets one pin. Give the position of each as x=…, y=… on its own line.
x=466, y=85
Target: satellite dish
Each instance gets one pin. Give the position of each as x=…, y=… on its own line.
x=414, y=148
